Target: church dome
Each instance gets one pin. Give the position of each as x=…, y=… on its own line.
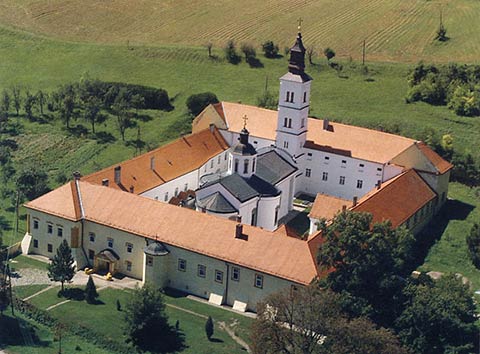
x=156, y=249
x=244, y=147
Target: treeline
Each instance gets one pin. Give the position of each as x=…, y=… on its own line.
x=93, y=101
x=454, y=85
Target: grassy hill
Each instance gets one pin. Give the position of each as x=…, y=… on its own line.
x=394, y=30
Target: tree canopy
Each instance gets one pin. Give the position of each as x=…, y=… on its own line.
x=62, y=268
x=368, y=261
x=196, y=103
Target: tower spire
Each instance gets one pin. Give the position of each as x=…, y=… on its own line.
x=296, y=64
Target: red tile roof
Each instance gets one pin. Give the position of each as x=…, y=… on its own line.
x=173, y=160
x=437, y=161
x=326, y=206
x=265, y=251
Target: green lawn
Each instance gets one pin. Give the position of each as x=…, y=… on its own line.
x=106, y=320
x=39, y=339
x=21, y=262
x=449, y=252
x=24, y=291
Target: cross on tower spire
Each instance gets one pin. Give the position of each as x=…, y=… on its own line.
x=245, y=118
x=300, y=24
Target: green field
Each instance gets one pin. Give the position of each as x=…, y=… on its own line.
x=394, y=30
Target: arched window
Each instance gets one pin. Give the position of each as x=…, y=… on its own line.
x=288, y=96
x=285, y=122
x=254, y=217
x=245, y=166
x=303, y=122
x=236, y=165
x=304, y=97
x=290, y=122
x=291, y=97
x=253, y=165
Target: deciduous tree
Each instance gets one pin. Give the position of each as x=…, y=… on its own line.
x=196, y=103
x=17, y=98
x=473, y=243
x=270, y=49
x=329, y=53
x=62, y=268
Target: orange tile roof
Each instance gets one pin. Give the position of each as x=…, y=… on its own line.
x=326, y=206
x=397, y=199
x=265, y=251
x=173, y=160
x=440, y=164
x=348, y=140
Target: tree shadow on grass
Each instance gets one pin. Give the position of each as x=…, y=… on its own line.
x=254, y=62
x=13, y=329
x=216, y=340
x=104, y=137
x=451, y=210
x=75, y=294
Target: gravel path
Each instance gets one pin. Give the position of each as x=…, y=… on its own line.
x=30, y=276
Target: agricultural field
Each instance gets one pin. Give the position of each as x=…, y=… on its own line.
x=394, y=30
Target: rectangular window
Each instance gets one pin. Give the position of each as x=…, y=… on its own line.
x=182, y=265
x=128, y=265
x=49, y=247
x=185, y=188
x=289, y=122
x=359, y=184
x=35, y=243
x=110, y=242
x=35, y=224
x=149, y=261
x=285, y=122
x=302, y=123
x=60, y=231
x=379, y=169
x=49, y=229
x=218, y=161
x=308, y=172
x=129, y=247
x=235, y=274
x=291, y=97
x=344, y=162
x=176, y=191
x=91, y=254
x=166, y=197
x=304, y=97
x=258, y=281
x=218, y=276
x=285, y=144
x=342, y=180
x=91, y=236
x=361, y=165
x=211, y=163
x=325, y=176
x=288, y=96
x=201, y=270
x=327, y=158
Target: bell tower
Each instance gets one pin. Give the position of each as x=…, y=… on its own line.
x=294, y=102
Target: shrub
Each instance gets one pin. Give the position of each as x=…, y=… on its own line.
x=473, y=243
x=231, y=53
x=465, y=102
x=270, y=49
x=329, y=53
x=197, y=102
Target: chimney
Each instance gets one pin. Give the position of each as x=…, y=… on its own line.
x=344, y=208
x=379, y=184
x=326, y=124
x=152, y=163
x=204, y=210
x=76, y=175
x=239, y=231
x=212, y=127
x=239, y=219
x=355, y=200
x=118, y=174
x=132, y=189
x=105, y=182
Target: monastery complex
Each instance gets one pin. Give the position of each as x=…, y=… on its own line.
x=204, y=214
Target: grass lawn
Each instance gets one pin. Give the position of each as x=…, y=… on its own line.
x=39, y=339
x=21, y=262
x=24, y=291
x=449, y=253
x=105, y=319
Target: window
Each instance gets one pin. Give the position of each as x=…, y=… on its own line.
x=235, y=274
x=91, y=236
x=302, y=124
x=289, y=122
x=291, y=97
x=285, y=122
x=254, y=217
x=219, y=159
x=211, y=163
x=359, y=183
x=285, y=144
x=342, y=180
x=236, y=165
x=344, y=163
x=49, y=229
x=201, y=270
x=308, y=172
x=128, y=265
x=149, y=261
x=379, y=169
x=129, y=247
x=60, y=231
x=35, y=243
x=258, y=281
x=325, y=176
x=182, y=265
x=304, y=97
x=91, y=254
x=327, y=158
x=218, y=276
x=225, y=156
x=309, y=156
x=288, y=96
x=276, y=214
x=253, y=165
x=245, y=166
x=110, y=242
x=361, y=165
x=185, y=187
x=156, y=197
x=176, y=191
x=166, y=197
x=35, y=224
x=49, y=247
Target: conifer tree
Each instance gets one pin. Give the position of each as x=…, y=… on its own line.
x=209, y=327
x=90, y=291
x=62, y=268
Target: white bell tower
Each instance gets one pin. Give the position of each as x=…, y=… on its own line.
x=293, y=103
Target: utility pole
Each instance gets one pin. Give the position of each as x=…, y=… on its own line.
x=363, y=53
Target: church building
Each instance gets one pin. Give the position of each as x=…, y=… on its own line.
x=203, y=214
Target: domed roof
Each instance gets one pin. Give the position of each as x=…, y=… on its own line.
x=156, y=249
x=244, y=147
